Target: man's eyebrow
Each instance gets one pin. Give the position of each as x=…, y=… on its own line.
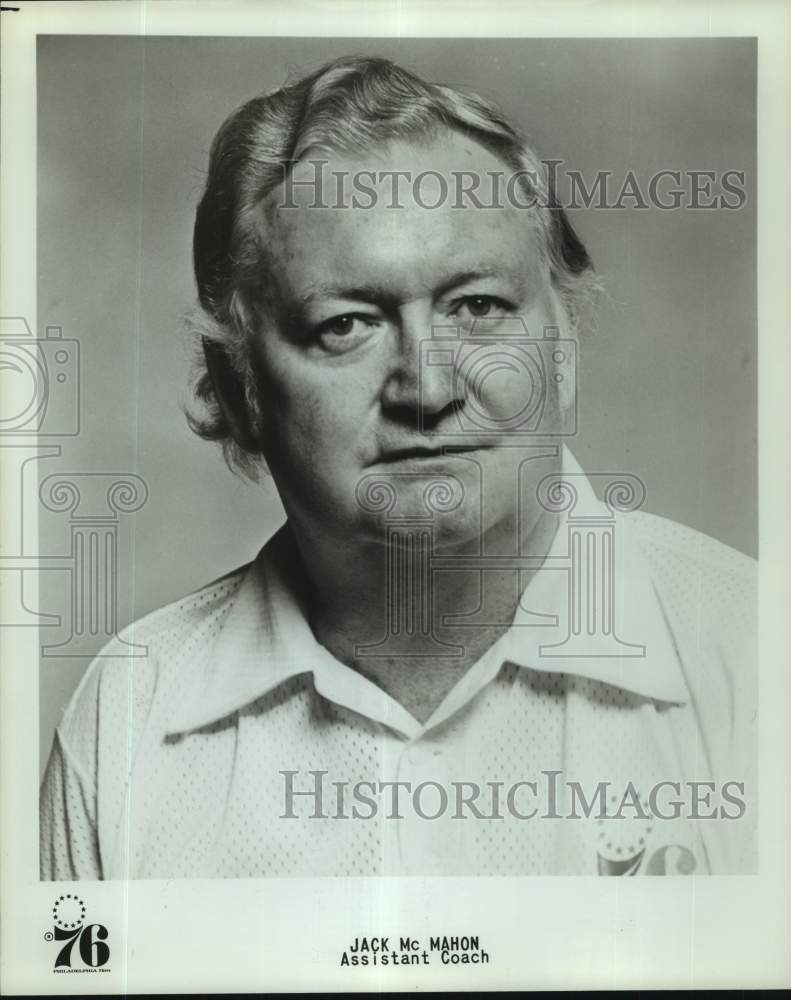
x=465, y=277
x=357, y=293
x=381, y=293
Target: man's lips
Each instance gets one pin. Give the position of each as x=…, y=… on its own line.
x=429, y=452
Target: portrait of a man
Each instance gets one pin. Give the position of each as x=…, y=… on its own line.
x=462, y=653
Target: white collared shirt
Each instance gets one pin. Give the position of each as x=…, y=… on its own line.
x=240, y=747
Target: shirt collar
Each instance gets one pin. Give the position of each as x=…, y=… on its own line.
x=637, y=652
x=266, y=639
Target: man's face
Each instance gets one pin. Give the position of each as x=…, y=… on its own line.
x=347, y=391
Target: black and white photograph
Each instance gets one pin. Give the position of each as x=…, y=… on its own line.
x=382, y=493
x=460, y=653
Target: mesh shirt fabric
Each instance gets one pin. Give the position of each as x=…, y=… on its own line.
x=127, y=794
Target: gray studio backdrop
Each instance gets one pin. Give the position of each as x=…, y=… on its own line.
x=668, y=385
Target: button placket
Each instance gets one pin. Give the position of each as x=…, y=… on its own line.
x=425, y=842
x=392, y=753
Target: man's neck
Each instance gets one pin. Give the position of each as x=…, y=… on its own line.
x=379, y=610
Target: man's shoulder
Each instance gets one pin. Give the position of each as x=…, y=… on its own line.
x=708, y=595
x=692, y=567
x=153, y=657
x=205, y=607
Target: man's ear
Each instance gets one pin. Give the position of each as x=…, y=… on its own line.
x=229, y=391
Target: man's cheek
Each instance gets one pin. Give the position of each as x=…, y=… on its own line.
x=319, y=440
x=508, y=392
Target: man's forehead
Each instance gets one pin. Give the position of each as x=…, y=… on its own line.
x=445, y=152
x=446, y=171
x=406, y=264
x=343, y=215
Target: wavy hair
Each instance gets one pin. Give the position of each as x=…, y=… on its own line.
x=347, y=104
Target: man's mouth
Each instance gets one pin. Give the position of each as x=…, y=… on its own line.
x=428, y=452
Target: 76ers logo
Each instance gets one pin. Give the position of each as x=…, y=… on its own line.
x=624, y=844
x=68, y=917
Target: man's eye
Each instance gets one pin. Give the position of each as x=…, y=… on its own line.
x=345, y=331
x=339, y=325
x=478, y=306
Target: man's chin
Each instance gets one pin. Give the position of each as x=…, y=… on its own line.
x=444, y=533
x=460, y=531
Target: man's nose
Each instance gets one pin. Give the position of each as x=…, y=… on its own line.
x=422, y=381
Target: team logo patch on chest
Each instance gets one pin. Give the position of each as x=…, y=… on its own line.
x=631, y=844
